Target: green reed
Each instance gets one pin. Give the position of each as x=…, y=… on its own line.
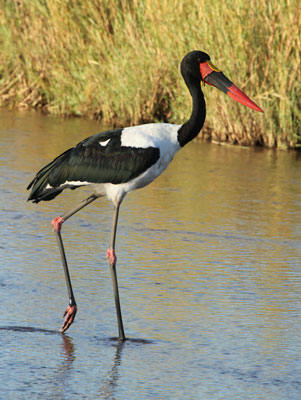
x=119, y=61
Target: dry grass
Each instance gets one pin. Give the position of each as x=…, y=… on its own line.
x=119, y=61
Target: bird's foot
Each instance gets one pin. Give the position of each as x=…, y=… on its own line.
x=57, y=223
x=70, y=315
x=111, y=256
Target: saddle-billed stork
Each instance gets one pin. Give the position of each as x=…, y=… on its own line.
x=118, y=161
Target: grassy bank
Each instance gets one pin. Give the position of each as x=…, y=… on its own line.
x=119, y=61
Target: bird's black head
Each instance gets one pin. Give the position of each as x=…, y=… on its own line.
x=191, y=64
x=196, y=67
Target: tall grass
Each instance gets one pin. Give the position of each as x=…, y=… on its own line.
x=119, y=61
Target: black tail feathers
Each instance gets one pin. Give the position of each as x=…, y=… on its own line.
x=46, y=185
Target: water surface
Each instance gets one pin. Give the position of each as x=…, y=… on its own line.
x=208, y=267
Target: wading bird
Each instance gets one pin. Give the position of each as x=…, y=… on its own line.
x=118, y=161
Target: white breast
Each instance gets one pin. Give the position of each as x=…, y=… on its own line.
x=161, y=136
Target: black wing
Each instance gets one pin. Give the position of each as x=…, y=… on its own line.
x=91, y=162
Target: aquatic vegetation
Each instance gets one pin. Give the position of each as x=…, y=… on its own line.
x=119, y=61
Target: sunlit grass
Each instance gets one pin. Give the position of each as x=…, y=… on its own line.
x=119, y=61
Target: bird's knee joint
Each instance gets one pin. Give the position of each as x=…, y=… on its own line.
x=111, y=256
x=57, y=223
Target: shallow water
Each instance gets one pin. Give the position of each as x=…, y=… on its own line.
x=208, y=267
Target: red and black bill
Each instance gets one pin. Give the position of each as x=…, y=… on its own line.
x=214, y=77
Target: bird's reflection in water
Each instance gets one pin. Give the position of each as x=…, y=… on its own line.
x=59, y=378
x=109, y=386
x=68, y=349
x=63, y=371
x=58, y=383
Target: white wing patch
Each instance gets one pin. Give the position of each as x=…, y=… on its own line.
x=76, y=183
x=71, y=183
x=162, y=136
x=104, y=143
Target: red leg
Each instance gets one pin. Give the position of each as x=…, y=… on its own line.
x=70, y=315
x=111, y=256
x=57, y=223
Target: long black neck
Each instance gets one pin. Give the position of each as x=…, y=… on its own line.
x=192, y=127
